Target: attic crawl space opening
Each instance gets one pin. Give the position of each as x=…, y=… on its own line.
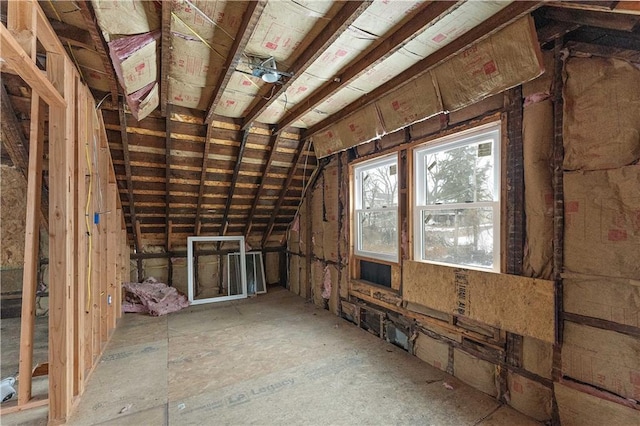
x=458, y=178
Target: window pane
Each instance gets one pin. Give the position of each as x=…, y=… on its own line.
x=378, y=232
x=459, y=236
x=380, y=186
x=460, y=175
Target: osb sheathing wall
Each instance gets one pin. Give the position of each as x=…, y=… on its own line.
x=12, y=190
x=88, y=252
x=507, y=349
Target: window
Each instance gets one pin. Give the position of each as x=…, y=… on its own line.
x=376, y=208
x=457, y=199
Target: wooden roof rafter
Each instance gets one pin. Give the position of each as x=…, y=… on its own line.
x=165, y=58
x=283, y=191
x=343, y=19
x=411, y=29
x=490, y=26
x=127, y=167
x=249, y=22
x=168, y=188
x=86, y=10
x=273, y=143
x=225, y=217
x=205, y=159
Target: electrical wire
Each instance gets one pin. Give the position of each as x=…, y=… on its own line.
x=88, y=223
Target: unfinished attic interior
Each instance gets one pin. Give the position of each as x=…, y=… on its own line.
x=320, y=212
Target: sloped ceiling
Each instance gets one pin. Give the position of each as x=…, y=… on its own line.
x=220, y=151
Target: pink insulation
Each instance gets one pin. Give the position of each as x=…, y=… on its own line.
x=152, y=297
x=135, y=61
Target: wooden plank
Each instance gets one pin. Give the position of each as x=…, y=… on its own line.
x=518, y=304
x=267, y=168
x=80, y=237
x=100, y=46
x=15, y=407
x=381, y=51
x=329, y=34
x=127, y=166
x=61, y=259
x=249, y=21
x=492, y=25
x=112, y=253
x=19, y=60
x=283, y=191
x=31, y=250
x=103, y=164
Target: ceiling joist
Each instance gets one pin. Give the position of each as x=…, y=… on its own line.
x=493, y=24
x=249, y=21
x=422, y=20
x=329, y=34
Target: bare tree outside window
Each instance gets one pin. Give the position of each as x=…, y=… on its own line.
x=377, y=208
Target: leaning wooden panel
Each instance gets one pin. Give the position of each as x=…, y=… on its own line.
x=518, y=304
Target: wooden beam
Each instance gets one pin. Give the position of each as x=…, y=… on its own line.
x=283, y=191
x=167, y=195
x=87, y=13
x=273, y=143
x=22, y=23
x=127, y=168
x=234, y=178
x=554, y=30
x=165, y=56
x=31, y=251
x=414, y=27
x=628, y=7
x=19, y=60
x=330, y=33
x=61, y=239
x=611, y=21
x=492, y=25
x=249, y=21
x=203, y=176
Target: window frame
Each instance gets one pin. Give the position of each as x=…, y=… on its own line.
x=358, y=168
x=419, y=196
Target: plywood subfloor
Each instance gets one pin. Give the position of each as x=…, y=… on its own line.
x=269, y=360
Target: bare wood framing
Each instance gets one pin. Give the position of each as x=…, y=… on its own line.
x=349, y=13
x=249, y=21
x=414, y=27
x=273, y=144
x=61, y=258
x=165, y=55
x=167, y=142
x=15, y=143
x=515, y=182
x=203, y=176
x=283, y=191
x=495, y=23
x=127, y=167
x=18, y=60
x=234, y=178
x=100, y=46
x=31, y=250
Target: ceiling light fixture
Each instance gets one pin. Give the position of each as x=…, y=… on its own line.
x=266, y=69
